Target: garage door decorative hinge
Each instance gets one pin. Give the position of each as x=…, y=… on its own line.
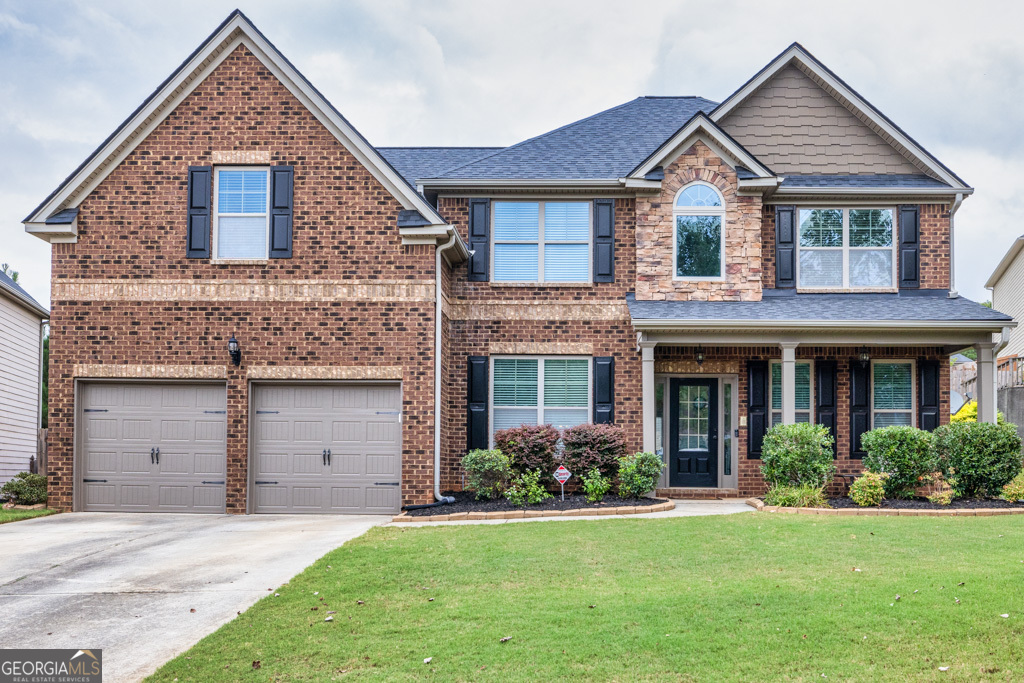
x=95, y=481
x=388, y=412
x=267, y=412
x=216, y=412
x=385, y=483
x=214, y=482
x=95, y=410
x=261, y=483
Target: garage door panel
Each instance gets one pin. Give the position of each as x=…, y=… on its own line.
x=360, y=425
x=125, y=423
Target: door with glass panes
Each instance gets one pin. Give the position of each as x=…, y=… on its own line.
x=693, y=432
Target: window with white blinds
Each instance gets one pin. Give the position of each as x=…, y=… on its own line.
x=241, y=209
x=846, y=249
x=531, y=390
x=892, y=393
x=541, y=241
x=804, y=391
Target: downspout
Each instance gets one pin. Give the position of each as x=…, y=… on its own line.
x=438, y=252
x=952, y=270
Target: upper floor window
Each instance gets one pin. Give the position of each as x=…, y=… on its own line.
x=240, y=213
x=699, y=213
x=541, y=241
x=846, y=249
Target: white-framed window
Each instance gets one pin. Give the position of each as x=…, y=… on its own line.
x=804, y=391
x=699, y=242
x=540, y=390
x=892, y=393
x=241, y=206
x=846, y=249
x=540, y=241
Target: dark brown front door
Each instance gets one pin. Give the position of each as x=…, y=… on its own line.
x=693, y=432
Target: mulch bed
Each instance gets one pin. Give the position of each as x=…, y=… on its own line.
x=465, y=502
x=923, y=504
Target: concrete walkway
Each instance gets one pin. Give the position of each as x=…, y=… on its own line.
x=684, y=508
x=146, y=587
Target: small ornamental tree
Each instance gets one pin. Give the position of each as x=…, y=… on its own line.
x=589, y=446
x=530, y=447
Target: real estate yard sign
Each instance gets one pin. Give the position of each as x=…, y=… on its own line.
x=562, y=475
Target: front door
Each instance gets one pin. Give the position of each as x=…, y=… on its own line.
x=693, y=432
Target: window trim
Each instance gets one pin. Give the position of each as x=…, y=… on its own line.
x=541, y=242
x=810, y=410
x=215, y=223
x=540, y=387
x=677, y=211
x=846, y=248
x=913, y=389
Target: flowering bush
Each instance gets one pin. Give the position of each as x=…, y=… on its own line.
x=868, y=490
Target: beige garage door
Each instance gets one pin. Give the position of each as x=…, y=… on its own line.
x=153, y=447
x=327, y=448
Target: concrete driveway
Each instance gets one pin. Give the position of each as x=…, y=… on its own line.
x=127, y=583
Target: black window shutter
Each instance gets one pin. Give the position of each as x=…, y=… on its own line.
x=757, y=406
x=281, y=194
x=479, y=239
x=910, y=247
x=928, y=401
x=479, y=389
x=785, y=247
x=200, y=204
x=825, y=397
x=604, y=389
x=604, y=240
x=860, y=405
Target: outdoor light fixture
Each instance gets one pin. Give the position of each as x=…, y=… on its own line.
x=700, y=355
x=234, y=350
x=864, y=356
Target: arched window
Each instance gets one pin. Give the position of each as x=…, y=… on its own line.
x=699, y=213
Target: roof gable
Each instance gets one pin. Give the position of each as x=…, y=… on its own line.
x=236, y=30
x=13, y=291
x=798, y=63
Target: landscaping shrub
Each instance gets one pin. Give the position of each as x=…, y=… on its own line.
x=903, y=453
x=977, y=458
x=638, y=474
x=595, y=485
x=941, y=497
x=25, y=489
x=806, y=496
x=526, y=489
x=969, y=413
x=590, y=446
x=1014, y=491
x=797, y=455
x=487, y=472
x=530, y=447
x=868, y=490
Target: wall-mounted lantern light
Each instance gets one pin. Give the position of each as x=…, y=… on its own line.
x=864, y=356
x=700, y=355
x=234, y=350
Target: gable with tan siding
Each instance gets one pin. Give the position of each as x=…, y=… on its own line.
x=794, y=126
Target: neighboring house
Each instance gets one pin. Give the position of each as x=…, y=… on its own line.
x=692, y=271
x=22, y=326
x=1007, y=285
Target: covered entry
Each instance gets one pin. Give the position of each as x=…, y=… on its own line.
x=320, y=448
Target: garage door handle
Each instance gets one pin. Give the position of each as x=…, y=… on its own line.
x=157, y=456
x=95, y=481
x=261, y=483
x=385, y=483
x=323, y=457
x=152, y=456
x=328, y=457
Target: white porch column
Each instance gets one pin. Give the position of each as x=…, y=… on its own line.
x=788, y=382
x=649, y=395
x=986, y=382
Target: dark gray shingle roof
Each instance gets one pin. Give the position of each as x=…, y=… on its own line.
x=429, y=162
x=812, y=307
x=607, y=145
x=14, y=291
x=907, y=180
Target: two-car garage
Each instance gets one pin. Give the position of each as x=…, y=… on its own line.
x=314, y=448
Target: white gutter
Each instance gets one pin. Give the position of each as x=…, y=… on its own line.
x=952, y=271
x=441, y=248
x=746, y=324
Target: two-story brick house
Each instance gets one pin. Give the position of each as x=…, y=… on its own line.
x=692, y=271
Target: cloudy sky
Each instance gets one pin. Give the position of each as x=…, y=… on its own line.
x=478, y=72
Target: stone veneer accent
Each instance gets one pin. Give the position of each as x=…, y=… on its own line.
x=655, y=233
x=243, y=290
x=113, y=371
x=247, y=157
x=714, y=367
x=542, y=348
x=322, y=372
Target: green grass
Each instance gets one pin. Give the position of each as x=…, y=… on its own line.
x=742, y=597
x=18, y=515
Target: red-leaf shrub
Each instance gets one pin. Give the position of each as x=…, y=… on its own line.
x=531, y=447
x=587, y=446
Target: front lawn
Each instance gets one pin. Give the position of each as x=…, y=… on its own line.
x=18, y=515
x=738, y=597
